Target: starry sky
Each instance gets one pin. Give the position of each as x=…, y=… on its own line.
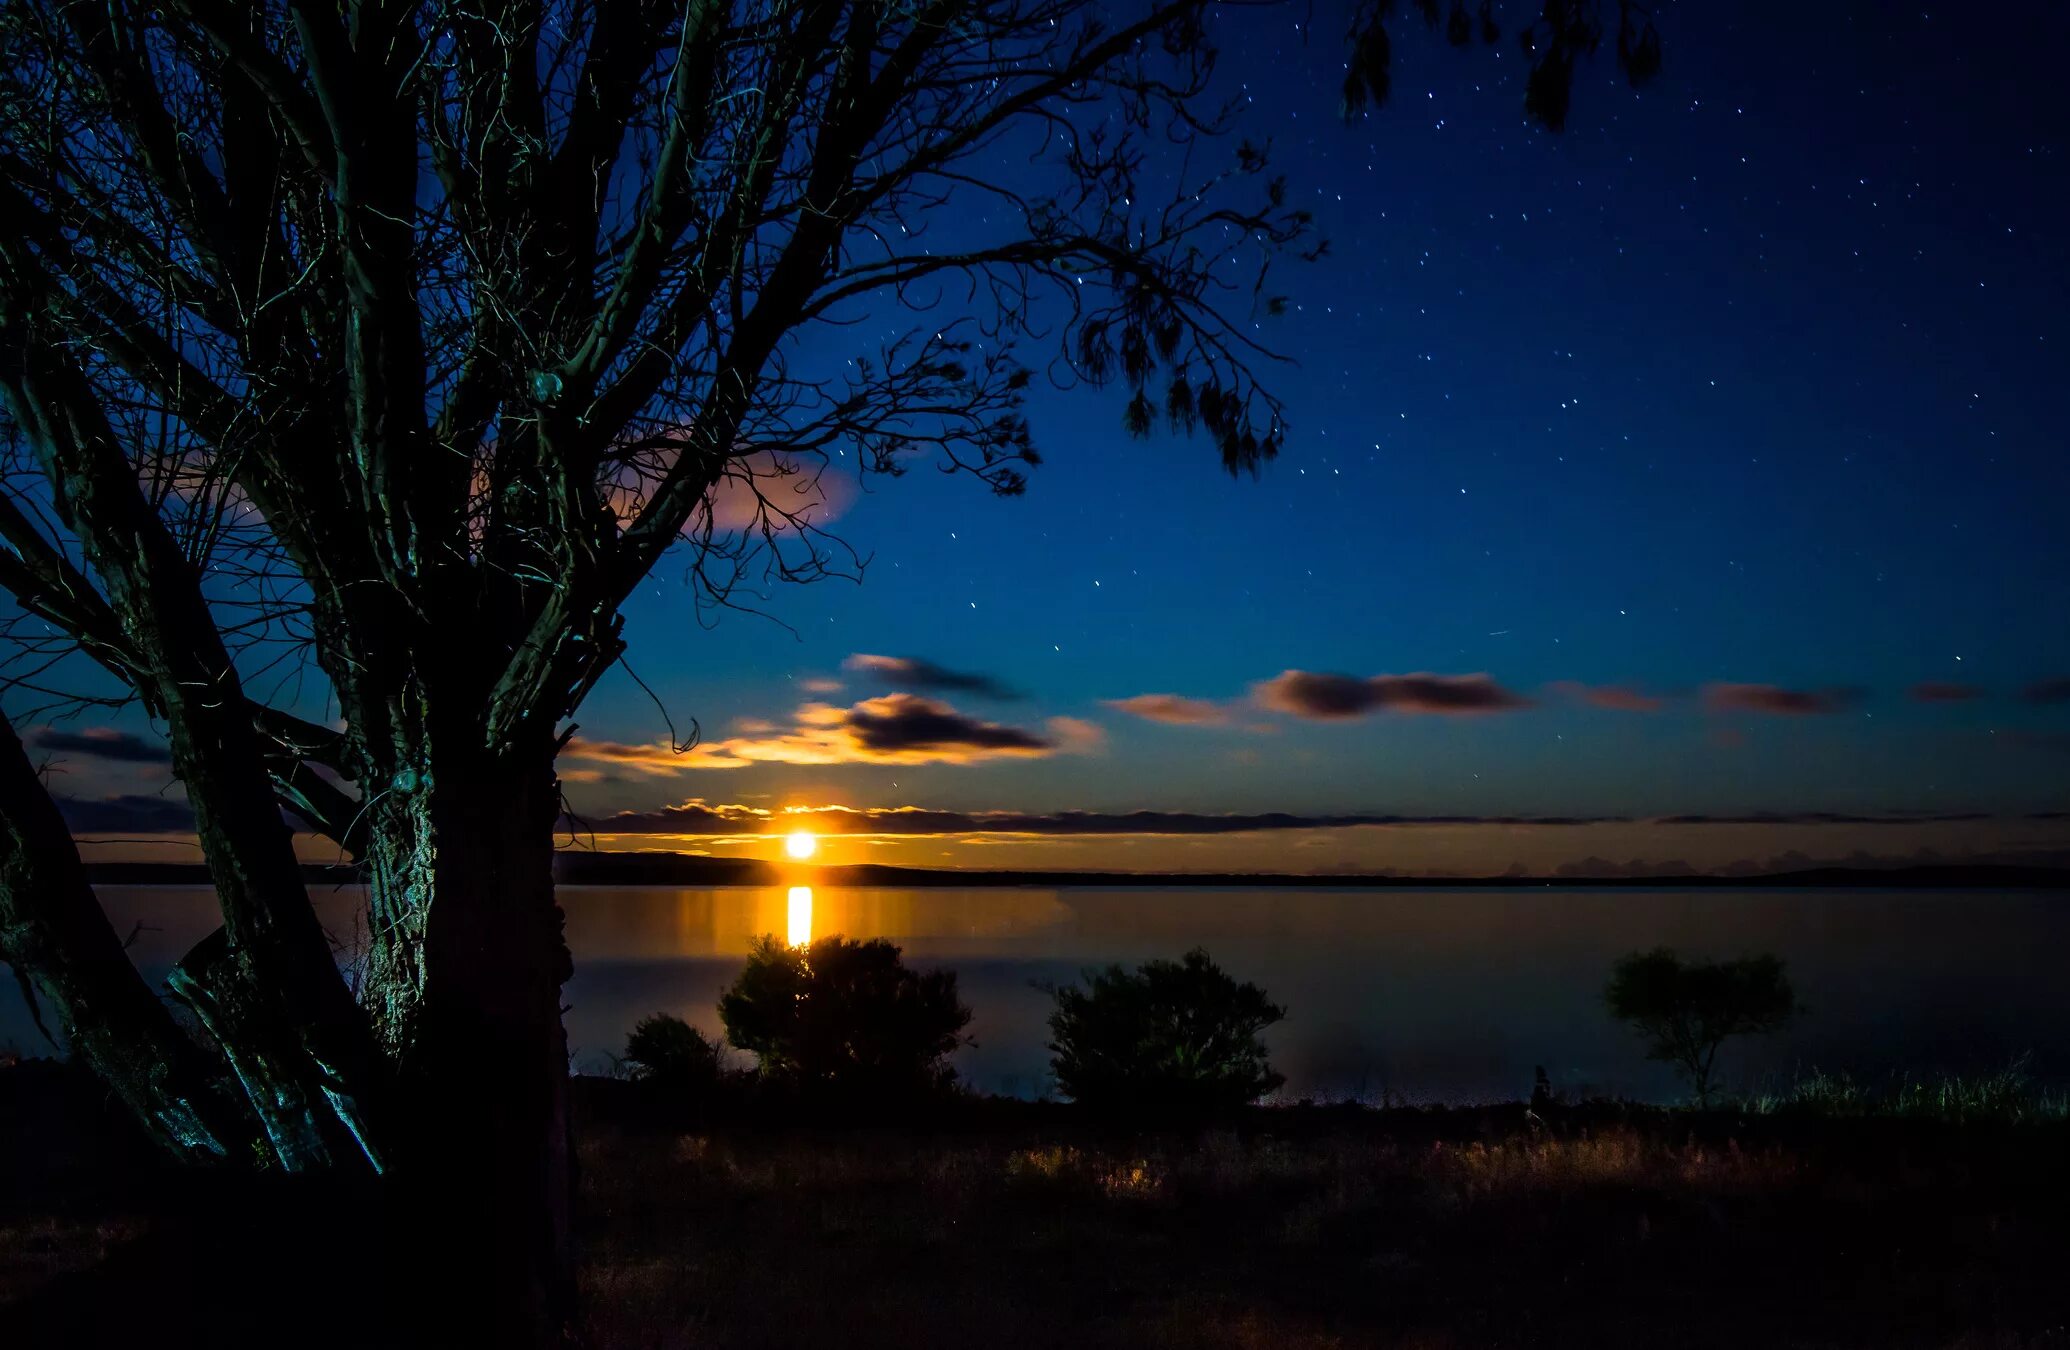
x=1683, y=489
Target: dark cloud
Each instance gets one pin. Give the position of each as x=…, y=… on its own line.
x=729, y=818
x=131, y=813
x=889, y=729
x=1172, y=709
x=101, y=743
x=903, y=723
x=2053, y=690
x=1829, y=818
x=1331, y=697
x=1776, y=701
x=698, y=817
x=1944, y=691
x=910, y=672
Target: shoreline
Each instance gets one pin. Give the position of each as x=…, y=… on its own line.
x=682, y=869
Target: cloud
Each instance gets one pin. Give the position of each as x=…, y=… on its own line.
x=700, y=817
x=902, y=724
x=1330, y=697
x=891, y=729
x=1172, y=709
x=131, y=813
x=658, y=758
x=910, y=672
x=101, y=743
x=758, y=490
x=1776, y=701
x=1829, y=818
x=2055, y=689
x=819, y=684
x=1615, y=697
x=1944, y=691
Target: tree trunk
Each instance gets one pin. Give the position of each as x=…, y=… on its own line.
x=464, y=981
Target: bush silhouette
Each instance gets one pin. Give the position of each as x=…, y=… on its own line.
x=847, y=1019
x=1687, y=1009
x=1169, y=1036
x=672, y=1057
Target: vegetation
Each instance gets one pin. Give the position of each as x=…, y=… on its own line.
x=672, y=1057
x=1321, y=1230
x=392, y=345
x=1169, y=1036
x=1688, y=1009
x=2009, y=1096
x=359, y=362
x=844, y=1020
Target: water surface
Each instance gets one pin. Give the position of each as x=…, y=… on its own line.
x=1424, y=995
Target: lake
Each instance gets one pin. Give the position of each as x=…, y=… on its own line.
x=1442, y=995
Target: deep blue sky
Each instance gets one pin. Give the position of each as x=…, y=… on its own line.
x=1755, y=377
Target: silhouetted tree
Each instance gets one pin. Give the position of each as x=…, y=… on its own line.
x=845, y=1020
x=411, y=336
x=1169, y=1036
x=671, y=1056
x=1687, y=1009
x=407, y=337
x=1560, y=34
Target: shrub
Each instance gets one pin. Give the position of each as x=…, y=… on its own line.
x=1170, y=1036
x=1687, y=1009
x=672, y=1056
x=844, y=1018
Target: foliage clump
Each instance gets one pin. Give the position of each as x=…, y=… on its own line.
x=1687, y=1009
x=844, y=1019
x=673, y=1059
x=1170, y=1036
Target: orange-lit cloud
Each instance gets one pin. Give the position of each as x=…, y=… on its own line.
x=891, y=729
x=759, y=490
x=1615, y=697
x=1172, y=709
x=699, y=817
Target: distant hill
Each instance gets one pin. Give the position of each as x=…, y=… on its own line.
x=686, y=869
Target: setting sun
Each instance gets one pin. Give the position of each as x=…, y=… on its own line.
x=801, y=844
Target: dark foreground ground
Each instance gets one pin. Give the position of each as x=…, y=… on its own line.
x=1012, y=1225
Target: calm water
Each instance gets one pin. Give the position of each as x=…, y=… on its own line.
x=1442, y=995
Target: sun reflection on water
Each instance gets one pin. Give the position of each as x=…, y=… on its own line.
x=799, y=928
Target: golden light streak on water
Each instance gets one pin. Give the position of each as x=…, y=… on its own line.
x=799, y=928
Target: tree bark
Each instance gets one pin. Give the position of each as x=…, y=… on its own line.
x=56, y=936
x=464, y=980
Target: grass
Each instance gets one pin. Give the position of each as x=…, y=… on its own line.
x=1933, y=1216
x=1324, y=1227
x=2006, y=1096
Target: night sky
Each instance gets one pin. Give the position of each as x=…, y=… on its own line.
x=1705, y=460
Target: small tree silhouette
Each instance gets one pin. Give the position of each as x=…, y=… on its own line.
x=672, y=1056
x=1174, y=1036
x=845, y=1018
x=1686, y=1009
